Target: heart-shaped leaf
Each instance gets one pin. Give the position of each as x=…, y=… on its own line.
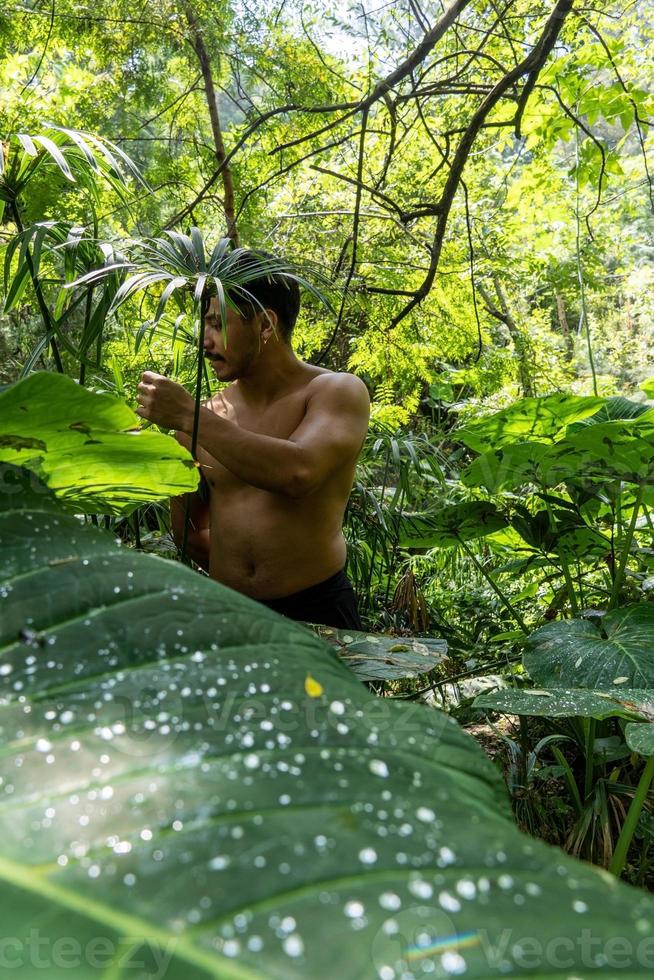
x=613, y=408
x=530, y=419
x=508, y=468
x=640, y=738
x=621, y=450
x=377, y=656
x=573, y=703
x=572, y=653
x=193, y=787
x=451, y=525
x=87, y=447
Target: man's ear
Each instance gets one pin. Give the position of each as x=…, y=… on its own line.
x=269, y=325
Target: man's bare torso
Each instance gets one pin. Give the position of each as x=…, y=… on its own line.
x=263, y=544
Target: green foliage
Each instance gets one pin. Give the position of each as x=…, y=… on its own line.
x=542, y=295
x=451, y=526
x=534, y=419
x=194, y=829
x=594, y=673
x=88, y=448
x=571, y=703
x=578, y=653
x=640, y=739
x=377, y=657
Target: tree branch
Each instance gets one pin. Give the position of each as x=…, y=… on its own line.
x=197, y=42
x=417, y=56
x=534, y=60
x=355, y=239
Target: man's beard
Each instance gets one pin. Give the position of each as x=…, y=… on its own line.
x=232, y=372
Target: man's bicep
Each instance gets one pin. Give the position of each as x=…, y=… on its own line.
x=335, y=425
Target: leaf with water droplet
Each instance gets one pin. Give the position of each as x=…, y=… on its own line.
x=163, y=775
x=312, y=687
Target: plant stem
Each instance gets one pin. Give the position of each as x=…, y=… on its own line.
x=394, y=550
x=196, y=420
x=496, y=589
x=40, y=299
x=375, y=537
x=88, y=307
x=569, y=584
x=568, y=775
x=626, y=548
x=583, y=318
x=136, y=528
x=524, y=751
x=619, y=858
x=590, y=726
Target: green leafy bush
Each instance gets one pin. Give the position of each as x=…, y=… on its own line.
x=203, y=786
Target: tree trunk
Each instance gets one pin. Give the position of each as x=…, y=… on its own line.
x=563, y=323
x=520, y=346
x=517, y=336
x=205, y=67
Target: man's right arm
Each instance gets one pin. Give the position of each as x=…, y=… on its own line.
x=198, y=540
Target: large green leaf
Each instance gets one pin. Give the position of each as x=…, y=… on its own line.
x=377, y=656
x=87, y=447
x=640, y=738
x=613, y=408
x=576, y=653
x=195, y=782
x=570, y=703
x=556, y=531
x=606, y=450
x=532, y=419
x=620, y=450
x=451, y=525
x=506, y=469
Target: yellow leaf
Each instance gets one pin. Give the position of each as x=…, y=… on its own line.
x=312, y=687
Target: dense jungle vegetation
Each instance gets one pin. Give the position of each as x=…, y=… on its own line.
x=191, y=786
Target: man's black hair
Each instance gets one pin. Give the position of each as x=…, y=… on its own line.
x=270, y=291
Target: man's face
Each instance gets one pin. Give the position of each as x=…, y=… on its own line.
x=243, y=343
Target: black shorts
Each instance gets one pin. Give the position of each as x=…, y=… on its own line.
x=329, y=603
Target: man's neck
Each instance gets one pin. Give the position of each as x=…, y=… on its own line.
x=271, y=375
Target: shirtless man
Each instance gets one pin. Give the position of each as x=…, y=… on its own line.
x=277, y=449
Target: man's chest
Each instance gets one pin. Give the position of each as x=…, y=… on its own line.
x=278, y=420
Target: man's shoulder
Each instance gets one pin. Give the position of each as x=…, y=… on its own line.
x=339, y=384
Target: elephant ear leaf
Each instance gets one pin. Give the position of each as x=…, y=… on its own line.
x=648, y=387
x=88, y=448
x=507, y=468
x=530, y=419
x=622, y=450
x=570, y=703
x=575, y=653
x=189, y=780
x=379, y=657
x=451, y=525
x=640, y=738
x=613, y=408
x=21, y=490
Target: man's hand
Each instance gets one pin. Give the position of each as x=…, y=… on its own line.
x=164, y=402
